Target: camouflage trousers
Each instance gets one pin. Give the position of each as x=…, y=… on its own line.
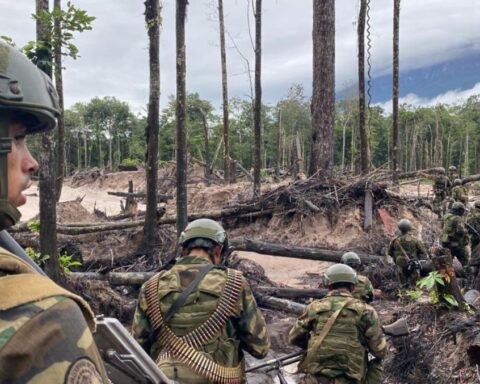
x=406, y=279
x=461, y=253
x=374, y=372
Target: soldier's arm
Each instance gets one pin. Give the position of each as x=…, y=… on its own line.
x=372, y=330
x=252, y=328
x=300, y=332
x=422, y=250
x=142, y=330
x=369, y=295
x=53, y=346
x=391, y=249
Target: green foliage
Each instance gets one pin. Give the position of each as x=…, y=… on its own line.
x=429, y=282
x=413, y=294
x=8, y=40
x=131, y=162
x=37, y=257
x=34, y=226
x=66, y=263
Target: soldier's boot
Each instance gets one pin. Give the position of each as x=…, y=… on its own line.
x=374, y=372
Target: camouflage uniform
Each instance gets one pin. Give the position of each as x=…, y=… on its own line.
x=415, y=250
x=44, y=337
x=455, y=237
x=342, y=357
x=245, y=331
x=364, y=289
x=460, y=193
x=441, y=189
x=473, y=220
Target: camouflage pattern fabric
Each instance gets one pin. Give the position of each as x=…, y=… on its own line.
x=455, y=237
x=46, y=340
x=460, y=193
x=442, y=187
x=247, y=330
x=473, y=220
x=343, y=353
x=364, y=289
x=415, y=250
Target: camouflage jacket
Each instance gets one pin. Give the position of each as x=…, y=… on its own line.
x=343, y=352
x=246, y=330
x=442, y=185
x=413, y=247
x=460, y=193
x=473, y=220
x=44, y=335
x=454, y=232
x=364, y=289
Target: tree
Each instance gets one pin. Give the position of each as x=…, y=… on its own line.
x=395, y=153
x=323, y=92
x=257, y=110
x=364, y=149
x=153, y=21
x=182, y=218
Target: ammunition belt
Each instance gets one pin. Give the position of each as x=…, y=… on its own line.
x=184, y=348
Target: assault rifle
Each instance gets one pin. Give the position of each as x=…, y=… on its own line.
x=125, y=361
x=473, y=230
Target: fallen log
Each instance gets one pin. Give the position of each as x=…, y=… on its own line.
x=470, y=179
x=139, y=195
x=114, y=278
x=292, y=293
x=280, y=304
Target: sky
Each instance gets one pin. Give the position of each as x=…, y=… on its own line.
x=114, y=54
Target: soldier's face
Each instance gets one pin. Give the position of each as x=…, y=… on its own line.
x=20, y=165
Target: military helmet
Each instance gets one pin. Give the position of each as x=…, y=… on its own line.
x=204, y=229
x=26, y=93
x=452, y=168
x=441, y=170
x=405, y=225
x=340, y=273
x=457, y=182
x=477, y=204
x=458, y=207
x=351, y=259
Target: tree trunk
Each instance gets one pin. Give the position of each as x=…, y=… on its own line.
x=208, y=168
x=364, y=150
x=60, y=154
x=395, y=152
x=323, y=93
x=280, y=304
x=47, y=173
x=153, y=20
x=278, y=143
x=223, y=57
x=257, y=111
x=182, y=219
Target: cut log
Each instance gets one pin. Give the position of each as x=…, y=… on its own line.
x=292, y=293
x=470, y=179
x=248, y=174
x=368, y=210
x=280, y=304
x=114, y=278
x=139, y=195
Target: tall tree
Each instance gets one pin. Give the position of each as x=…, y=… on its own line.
x=223, y=56
x=153, y=21
x=46, y=182
x=182, y=213
x=257, y=110
x=323, y=93
x=395, y=152
x=364, y=148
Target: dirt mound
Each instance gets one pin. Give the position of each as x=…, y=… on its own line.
x=73, y=212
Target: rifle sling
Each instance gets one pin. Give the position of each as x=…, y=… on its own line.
x=325, y=330
x=402, y=250
x=177, y=304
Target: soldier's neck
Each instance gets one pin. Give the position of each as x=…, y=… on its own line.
x=199, y=252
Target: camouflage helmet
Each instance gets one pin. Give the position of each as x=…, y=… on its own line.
x=351, y=259
x=458, y=207
x=457, y=182
x=204, y=229
x=340, y=273
x=476, y=205
x=452, y=168
x=441, y=170
x=26, y=93
x=405, y=225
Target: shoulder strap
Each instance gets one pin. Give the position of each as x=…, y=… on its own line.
x=325, y=330
x=401, y=249
x=177, y=304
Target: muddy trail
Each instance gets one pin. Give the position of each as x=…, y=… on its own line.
x=299, y=213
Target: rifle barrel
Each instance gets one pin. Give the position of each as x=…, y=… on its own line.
x=290, y=358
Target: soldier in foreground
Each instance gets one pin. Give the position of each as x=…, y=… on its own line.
x=197, y=318
x=441, y=189
x=338, y=332
x=406, y=251
x=45, y=331
x=454, y=233
x=459, y=192
x=364, y=288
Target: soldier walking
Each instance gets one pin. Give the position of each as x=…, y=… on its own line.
x=473, y=228
x=364, y=288
x=441, y=189
x=338, y=332
x=459, y=192
x=454, y=233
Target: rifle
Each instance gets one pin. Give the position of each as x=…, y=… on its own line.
x=472, y=228
x=125, y=361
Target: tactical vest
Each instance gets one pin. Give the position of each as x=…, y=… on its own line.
x=440, y=184
x=361, y=292
x=454, y=233
x=341, y=351
x=223, y=346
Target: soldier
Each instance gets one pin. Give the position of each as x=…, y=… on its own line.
x=452, y=173
x=45, y=331
x=197, y=318
x=441, y=189
x=339, y=331
x=473, y=228
x=454, y=233
x=459, y=192
x=406, y=250
x=364, y=288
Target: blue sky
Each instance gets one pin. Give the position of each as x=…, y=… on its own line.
x=114, y=59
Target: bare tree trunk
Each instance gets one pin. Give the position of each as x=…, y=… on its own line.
x=46, y=183
x=153, y=21
x=226, y=147
x=278, y=152
x=257, y=111
x=364, y=150
x=323, y=94
x=395, y=153
x=182, y=219
x=60, y=153
x=208, y=168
